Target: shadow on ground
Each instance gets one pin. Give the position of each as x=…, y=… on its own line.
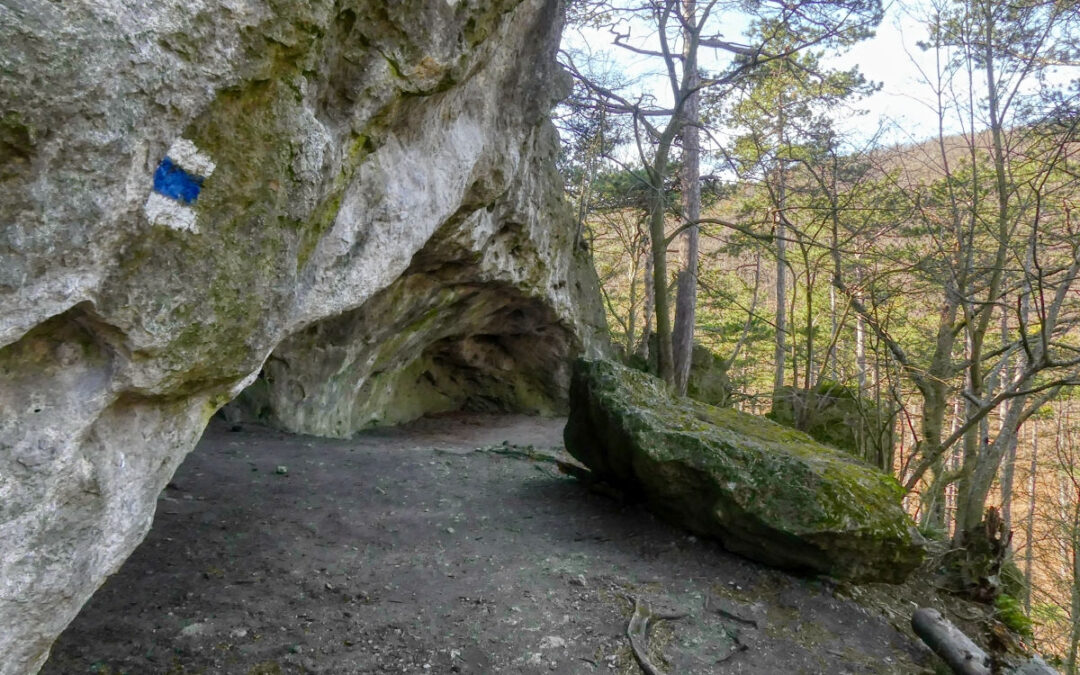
x=408, y=551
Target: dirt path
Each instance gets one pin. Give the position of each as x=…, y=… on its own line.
x=406, y=551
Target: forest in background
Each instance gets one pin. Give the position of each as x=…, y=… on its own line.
x=916, y=304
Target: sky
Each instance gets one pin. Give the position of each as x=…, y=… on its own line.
x=893, y=59
x=904, y=106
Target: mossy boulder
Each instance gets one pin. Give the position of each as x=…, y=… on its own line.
x=765, y=491
x=836, y=415
x=708, y=381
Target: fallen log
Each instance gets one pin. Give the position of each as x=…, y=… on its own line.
x=949, y=642
x=960, y=653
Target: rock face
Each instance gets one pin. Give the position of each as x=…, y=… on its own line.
x=767, y=492
x=358, y=194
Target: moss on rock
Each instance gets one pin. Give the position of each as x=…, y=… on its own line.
x=766, y=491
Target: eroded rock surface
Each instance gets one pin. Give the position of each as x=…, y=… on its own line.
x=766, y=491
x=359, y=191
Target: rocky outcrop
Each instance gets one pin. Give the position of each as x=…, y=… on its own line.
x=357, y=194
x=765, y=491
x=482, y=317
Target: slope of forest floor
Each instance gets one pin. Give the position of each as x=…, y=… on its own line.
x=450, y=546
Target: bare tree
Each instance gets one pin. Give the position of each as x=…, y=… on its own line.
x=999, y=201
x=676, y=33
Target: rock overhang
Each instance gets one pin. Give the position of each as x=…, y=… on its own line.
x=329, y=152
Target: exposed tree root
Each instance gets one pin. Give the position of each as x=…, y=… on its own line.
x=732, y=616
x=528, y=452
x=638, y=632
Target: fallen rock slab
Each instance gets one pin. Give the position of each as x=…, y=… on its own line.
x=765, y=491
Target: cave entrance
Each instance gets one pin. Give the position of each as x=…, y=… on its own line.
x=421, y=346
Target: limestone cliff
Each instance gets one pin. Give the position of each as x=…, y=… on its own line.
x=349, y=203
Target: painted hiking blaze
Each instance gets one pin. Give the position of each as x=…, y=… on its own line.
x=177, y=183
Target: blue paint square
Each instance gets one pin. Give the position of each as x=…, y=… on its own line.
x=175, y=183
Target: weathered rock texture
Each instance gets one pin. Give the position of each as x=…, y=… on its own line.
x=766, y=491
x=359, y=194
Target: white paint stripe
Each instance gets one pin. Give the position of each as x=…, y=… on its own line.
x=160, y=210
x=189, y=158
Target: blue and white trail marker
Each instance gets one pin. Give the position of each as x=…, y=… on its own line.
x=177, y=183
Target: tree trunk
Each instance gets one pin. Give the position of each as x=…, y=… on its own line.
x=1029, y=553
x=1008, y=468
x=834, y=371
x=860, y=335
x=981, y=479
x=976, y=455
x=971, y=446
x=1008, y=473
x=781, y=309
x=646, y=325
x=933, y=422
x=658, y=237
x=631, y=319
x=781, y=263
x=934, y=392
x=810, y=378
x=584, y=194
x=1074, y=634
x=686, y=296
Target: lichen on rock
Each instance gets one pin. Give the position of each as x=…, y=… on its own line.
x=765, y=491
